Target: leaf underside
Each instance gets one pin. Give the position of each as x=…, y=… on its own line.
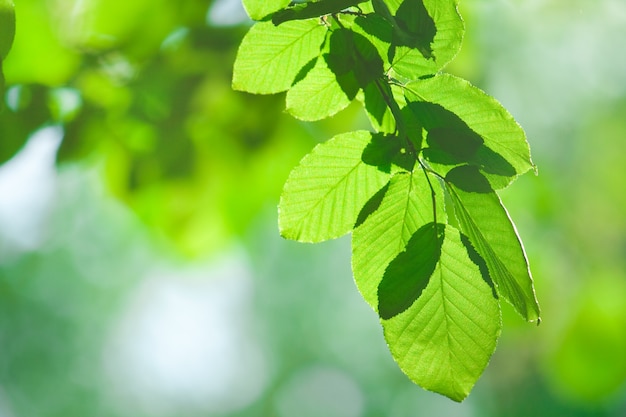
x=323, y=195
x=443, y=342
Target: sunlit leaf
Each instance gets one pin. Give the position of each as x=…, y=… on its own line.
x=458, y=117
x=408, y=274
x=270, y=58
x=349, y=62
x=323, y=195
x=259, y=9
x=428, y=34
x=485, y=221
x=443, y=342
x=405, y=208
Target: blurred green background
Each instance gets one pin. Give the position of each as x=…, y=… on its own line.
x=141, y=271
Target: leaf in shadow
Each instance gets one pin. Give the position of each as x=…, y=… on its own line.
x=408, y=274
x=480, y=262
x=385, y=150
x=354, y=60
x=371, y=206
x=451, y=141
x=304, y=71
x=312, y=9
x=468, y=178
x=415, y=28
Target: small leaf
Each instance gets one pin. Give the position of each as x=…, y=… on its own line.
x=260, y=9
x=458, y=116
x=427, y=37
x=443, y=342
x=485, y=221
x=407, y=275
x=349, y=62
x=323, y=195
x=270, y=58
x=321, y=93
x=7, y=27
x=415, y=28
x=312, y=9
x=405, y=208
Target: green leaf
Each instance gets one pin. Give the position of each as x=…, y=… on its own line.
x=458, y=117
x=378, y=111
x=7, y=27
x=443, y=342
x=408, y=274
x=428, y=34
x=485, y=221
x=323, y=195
x=260, y=9
x=270, y=58
x=349, y=62
x=405, y=208
x=321, y=93
x=313, y=9
x=378, y=31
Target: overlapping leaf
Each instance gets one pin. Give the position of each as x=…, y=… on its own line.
x=426, y=35
x=405, y=208
x=485, y=221
x=312, y=9
x=463, y=119
x=349, y=62
x=323, y=195
x=443, y=342
x=435, y=287
x=270, y=58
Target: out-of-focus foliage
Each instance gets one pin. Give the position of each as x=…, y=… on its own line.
x=99, y=317
x=141, y=90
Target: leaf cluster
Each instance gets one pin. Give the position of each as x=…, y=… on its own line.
x=433, y=248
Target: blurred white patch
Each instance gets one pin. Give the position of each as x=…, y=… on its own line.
x=320, y=391
x=27, y=186
x=187, y=343
x=227, y=13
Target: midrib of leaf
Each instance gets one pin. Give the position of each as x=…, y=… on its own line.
x=332, y=190
x=290, y=45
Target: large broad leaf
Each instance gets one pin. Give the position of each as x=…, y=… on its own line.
x=259, y=9
x=443, y=342
x=323, y=195
x=468, y=126
x=270, y=58
x=485, y=221
x=7, y=27
x=406, y=207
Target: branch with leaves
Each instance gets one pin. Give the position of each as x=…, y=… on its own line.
x=433, y=248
